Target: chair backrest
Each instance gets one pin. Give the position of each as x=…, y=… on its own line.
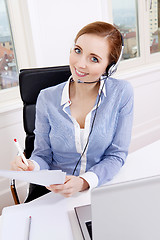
x=31, y=82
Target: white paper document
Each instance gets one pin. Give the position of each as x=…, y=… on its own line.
x=42, y=177
x=49, y=219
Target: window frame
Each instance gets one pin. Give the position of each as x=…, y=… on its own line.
x=23, y=43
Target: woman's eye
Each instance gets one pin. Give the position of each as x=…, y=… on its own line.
x=77, y=50
x=94, y=59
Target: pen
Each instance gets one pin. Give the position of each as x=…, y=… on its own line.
x=29, y=228
x=20, y=151
x=14, y=192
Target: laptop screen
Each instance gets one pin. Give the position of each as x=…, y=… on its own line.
x=128, y=210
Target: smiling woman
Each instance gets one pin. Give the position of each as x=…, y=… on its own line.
x=83, y=126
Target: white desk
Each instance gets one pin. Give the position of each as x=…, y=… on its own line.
x=142, y=163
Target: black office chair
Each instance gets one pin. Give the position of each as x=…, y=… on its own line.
x=31, y=82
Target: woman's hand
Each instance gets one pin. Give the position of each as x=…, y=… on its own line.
x=72, y=185
x=18, y=165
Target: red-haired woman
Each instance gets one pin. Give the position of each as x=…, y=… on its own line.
x=83, y=126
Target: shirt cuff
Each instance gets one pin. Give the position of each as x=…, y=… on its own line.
x=91, y=178
x=36, y=165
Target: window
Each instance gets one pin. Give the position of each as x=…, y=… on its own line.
x=139, y=23
x=154, y=30
x=125, y=19
x=8, y=67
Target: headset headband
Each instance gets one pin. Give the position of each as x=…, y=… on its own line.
x=112, y=68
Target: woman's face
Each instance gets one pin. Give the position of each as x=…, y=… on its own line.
x=89, y=58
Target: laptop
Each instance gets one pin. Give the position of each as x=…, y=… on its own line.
x=128, y=210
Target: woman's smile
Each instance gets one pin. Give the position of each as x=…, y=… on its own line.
x=79, y=73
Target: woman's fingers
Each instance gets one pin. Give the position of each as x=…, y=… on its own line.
x=18, y=165
x=72, y=185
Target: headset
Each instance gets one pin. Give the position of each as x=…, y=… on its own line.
x=110, y=70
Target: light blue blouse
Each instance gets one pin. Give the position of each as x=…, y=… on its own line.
x=57, y=134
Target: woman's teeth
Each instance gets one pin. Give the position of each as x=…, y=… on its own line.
x=80, y=73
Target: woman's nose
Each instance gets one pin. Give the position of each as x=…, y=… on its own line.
x=82, y=62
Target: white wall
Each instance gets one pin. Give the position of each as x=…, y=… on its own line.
x=55, y=24
x=146, y=125
x=53, y=28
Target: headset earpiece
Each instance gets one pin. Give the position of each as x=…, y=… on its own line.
x=110, y=68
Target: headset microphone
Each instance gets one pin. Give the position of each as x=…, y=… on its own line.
x=79, y=81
